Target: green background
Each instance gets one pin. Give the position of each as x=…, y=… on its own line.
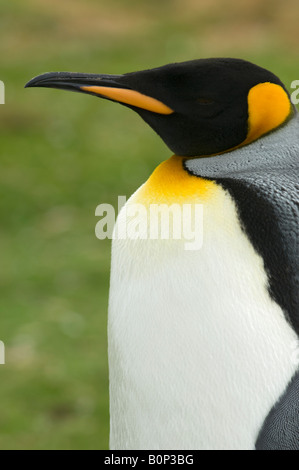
x=62, y=154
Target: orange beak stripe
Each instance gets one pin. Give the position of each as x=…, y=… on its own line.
x=131, y=97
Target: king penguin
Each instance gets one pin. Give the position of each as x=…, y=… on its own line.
x=202, y=341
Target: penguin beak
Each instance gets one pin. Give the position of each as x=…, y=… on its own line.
x=104, y=86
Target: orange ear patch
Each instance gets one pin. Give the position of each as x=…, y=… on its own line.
x=268, y=107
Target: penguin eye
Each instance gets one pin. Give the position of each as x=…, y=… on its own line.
x=205, y=101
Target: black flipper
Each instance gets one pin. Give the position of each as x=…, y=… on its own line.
x=281, y=427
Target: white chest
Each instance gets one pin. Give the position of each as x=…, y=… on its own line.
x=198, y=351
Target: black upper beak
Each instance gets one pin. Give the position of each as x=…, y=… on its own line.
x=74, y=81
x=111, y=87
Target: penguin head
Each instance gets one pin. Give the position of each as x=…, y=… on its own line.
x=199, y=108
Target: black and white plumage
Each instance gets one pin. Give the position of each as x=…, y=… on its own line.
x=201, y=342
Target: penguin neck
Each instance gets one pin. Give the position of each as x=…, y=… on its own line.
x=182, y=179
x=277, y=151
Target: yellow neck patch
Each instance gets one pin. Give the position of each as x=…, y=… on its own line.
x=268, y=107
x=171, y=183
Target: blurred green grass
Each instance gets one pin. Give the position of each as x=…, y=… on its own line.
x=63, y=154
